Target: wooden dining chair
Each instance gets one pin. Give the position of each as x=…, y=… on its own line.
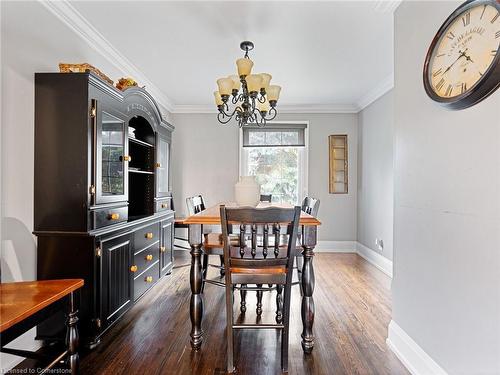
x=255, y=262
x=266, y=198
x=212, y=243
x=310, y=206
x=178, y=224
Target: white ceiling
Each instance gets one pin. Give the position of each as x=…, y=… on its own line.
x=322, y=53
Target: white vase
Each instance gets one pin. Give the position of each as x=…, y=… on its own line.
x=247, y=191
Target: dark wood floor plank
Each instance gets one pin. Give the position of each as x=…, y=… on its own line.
x=353, y=310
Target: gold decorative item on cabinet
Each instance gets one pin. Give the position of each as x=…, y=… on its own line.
x=82, y=68
x=125, y=83
x=338, y=164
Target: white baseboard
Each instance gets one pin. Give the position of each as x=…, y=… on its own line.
x=335, y=247
x=415, y=359
x=382, y=263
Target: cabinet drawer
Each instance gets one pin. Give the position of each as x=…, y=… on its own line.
x=110, y=215
x=146, y=280
x=163, y=205
x=143, y=237
x=145, y=258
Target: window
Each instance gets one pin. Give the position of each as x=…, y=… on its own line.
x=277, y=155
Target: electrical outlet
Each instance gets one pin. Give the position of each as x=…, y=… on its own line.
x=379, y=243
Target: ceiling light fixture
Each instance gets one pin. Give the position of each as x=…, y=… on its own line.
x=256, y=103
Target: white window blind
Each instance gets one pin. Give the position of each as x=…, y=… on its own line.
x=274, y=135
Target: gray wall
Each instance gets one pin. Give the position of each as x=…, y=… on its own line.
x=446, y=286
x=205, y=160
x=376, y=174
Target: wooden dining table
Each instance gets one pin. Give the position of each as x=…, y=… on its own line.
x=308, y=239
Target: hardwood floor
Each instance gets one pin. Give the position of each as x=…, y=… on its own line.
x=353, y=310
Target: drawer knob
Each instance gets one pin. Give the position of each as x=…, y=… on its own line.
x=114, y=216
x=164, y=205
x=158, y=165
x=149, y=235
x=149, y=257
x=126, y=158
x=133, y=268
x=163, y=249
x=149, y=279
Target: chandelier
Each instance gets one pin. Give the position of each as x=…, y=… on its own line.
x=255, y=103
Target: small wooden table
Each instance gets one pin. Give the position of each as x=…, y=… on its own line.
x=23, y=305
x=211, y=216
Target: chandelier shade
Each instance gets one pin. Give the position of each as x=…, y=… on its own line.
x=273, y=93
x=225, y=86
x=218, y=98
x=236, y=82
x=254, y=82
x=255, y=99
x=244, y=66
x=266, y=79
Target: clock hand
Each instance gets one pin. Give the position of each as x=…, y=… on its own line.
x=468, y=58
x=462, y=54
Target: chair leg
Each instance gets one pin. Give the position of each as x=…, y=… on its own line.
x=284, y=350
x=204, y=266
x=260, y=293
x=243, y=303
x=222, y=270
x=229, y=329
x=285, y=331
x=279, y=304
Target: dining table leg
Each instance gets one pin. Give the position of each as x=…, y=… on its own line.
x=309, y=239
x=196, y=304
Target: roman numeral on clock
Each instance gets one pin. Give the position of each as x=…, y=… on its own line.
x=495, y=18
x=493, y=52
x=482, y=14
x=497, y=34
x=463, y=88
x=466, y=19
x=440, y=84
x=437, y=72
x=449, y=89
x=450, y=35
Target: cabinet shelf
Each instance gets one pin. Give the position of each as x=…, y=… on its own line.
x=338, y=164
x=139, y=142
x=140, y=171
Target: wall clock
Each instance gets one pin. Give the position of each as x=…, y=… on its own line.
x=462, y=66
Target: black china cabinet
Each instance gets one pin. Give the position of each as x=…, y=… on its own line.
x=103, y=207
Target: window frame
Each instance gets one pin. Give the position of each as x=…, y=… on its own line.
x=303, y=157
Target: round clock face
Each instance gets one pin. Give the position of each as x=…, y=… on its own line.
x=463, y=54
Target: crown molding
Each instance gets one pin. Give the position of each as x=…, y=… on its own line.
x=286, y=108
x=65, y=12
x=318, y=108
x=383, y=87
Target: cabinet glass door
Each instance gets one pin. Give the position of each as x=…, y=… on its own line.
x=112, y=176
x=113, y=149
x=162, y=167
